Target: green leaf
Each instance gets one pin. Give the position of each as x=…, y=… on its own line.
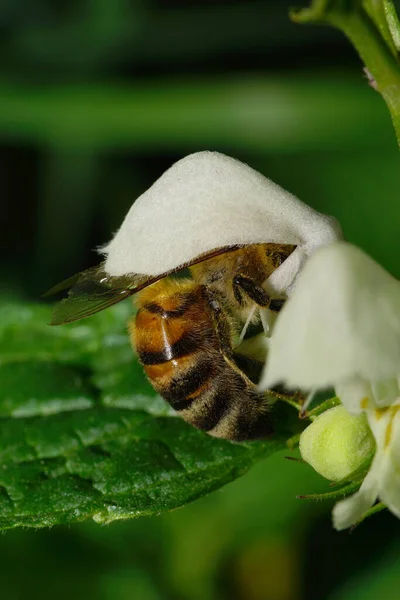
x=26, y=335
x=41, y=388
x=83, y=434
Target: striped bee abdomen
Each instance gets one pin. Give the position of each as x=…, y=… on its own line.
x=183, y=337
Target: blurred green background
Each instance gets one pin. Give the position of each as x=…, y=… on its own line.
x=97, y=99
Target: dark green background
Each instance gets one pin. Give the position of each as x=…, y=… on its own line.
x=97, y=98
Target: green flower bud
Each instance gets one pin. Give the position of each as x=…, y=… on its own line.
x=337, y=443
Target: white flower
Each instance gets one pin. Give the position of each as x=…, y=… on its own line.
x=383, y=478
x=207, y=201
x=341, y=329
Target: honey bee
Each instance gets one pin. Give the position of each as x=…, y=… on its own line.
x=184, y=329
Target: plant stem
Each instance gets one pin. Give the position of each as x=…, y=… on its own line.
x=326, y=405
x=372, y=511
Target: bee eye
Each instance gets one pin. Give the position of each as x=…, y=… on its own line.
x=278, y=258
x=271, y=254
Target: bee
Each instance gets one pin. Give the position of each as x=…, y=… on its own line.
x=184, y=329
x=214, y=215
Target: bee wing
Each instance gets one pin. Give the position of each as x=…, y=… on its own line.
x=92, y=291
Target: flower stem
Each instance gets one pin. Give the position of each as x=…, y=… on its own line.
x=334, y=494
x=363, y=33
x=326, y=405
x=372, y=511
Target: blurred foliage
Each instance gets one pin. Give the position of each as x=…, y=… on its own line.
x=382, y=582
x=96, y=100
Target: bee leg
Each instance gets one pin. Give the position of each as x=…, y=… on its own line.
x=261, y=298
x=276, y=304
x=245, y=326
x=282, y=393
x=245, y=285
x=221, y=323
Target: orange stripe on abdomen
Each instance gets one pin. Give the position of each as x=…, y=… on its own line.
x=178, y=345
x=169, y=369
x=159, y=339
x=152, y=331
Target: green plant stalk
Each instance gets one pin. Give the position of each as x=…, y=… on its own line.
x=384, y=18
x=321, y=408
x=372, y=511
x=371, y=47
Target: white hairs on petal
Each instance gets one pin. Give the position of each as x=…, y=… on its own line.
x=207, y=201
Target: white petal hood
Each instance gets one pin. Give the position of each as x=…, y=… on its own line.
x=207, y=201
x=341, y=323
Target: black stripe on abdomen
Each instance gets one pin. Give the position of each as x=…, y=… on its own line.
x=188, y=383
x=210, y=413
x=187, y=344
x=187, y=301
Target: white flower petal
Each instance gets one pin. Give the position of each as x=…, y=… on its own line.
x=379, y=421
x=342, y=321
x=206, y=201
x=282, y=278
x=394, y=433
x=390, y=486
x=355, y=394
x=349, y=511
x=385, y=425
x=383, y=392
x=383, y=479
